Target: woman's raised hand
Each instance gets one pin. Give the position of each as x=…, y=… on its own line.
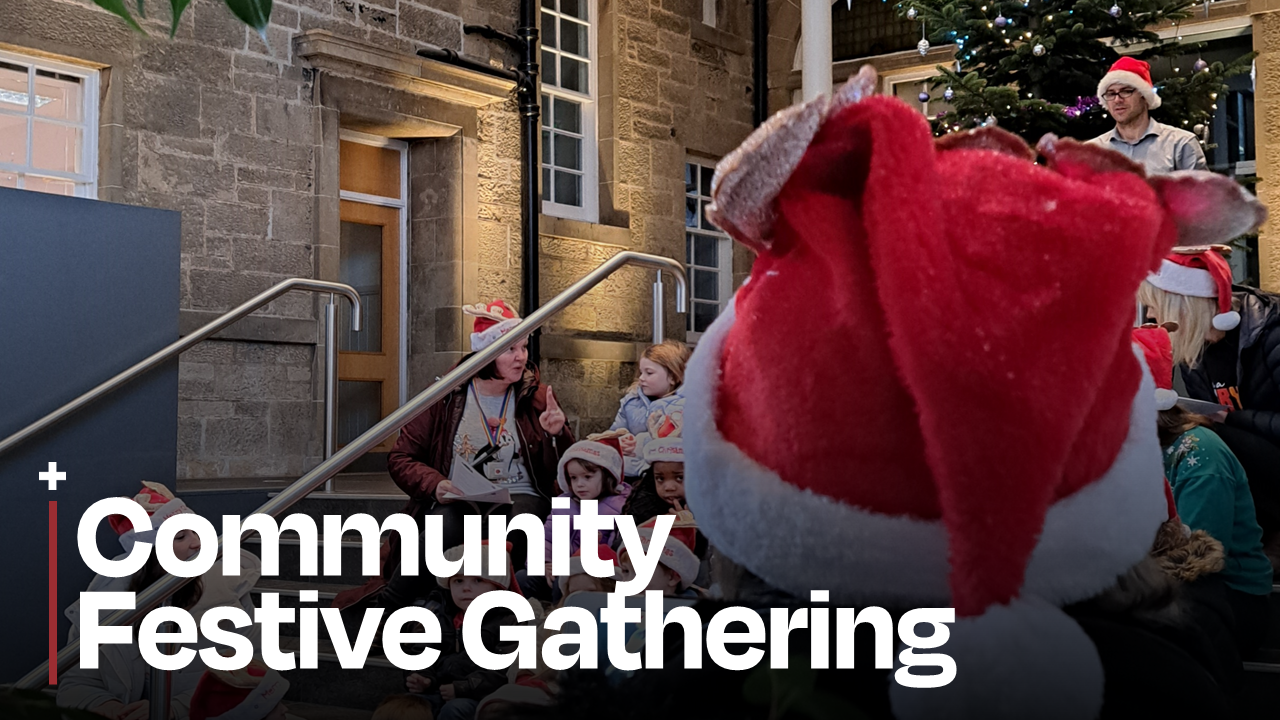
x=552, y=419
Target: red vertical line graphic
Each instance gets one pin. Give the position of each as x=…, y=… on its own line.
x=53, y=592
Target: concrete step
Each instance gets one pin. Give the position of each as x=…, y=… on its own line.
x=372, y=493
x=331, y=686
x=290, y=557
x=313, y=711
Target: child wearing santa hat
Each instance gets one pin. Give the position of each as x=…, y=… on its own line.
x=455, y=684
x=579, y=580
x=1228, y=342
x=678, y=565
x=1212, y=494
x=590, y=469
x=117, y=686
x=661, y=486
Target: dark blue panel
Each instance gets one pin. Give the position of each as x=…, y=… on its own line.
x=87, y=288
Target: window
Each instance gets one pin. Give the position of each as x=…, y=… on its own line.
x=865, y=28
x=709, y=12
x=708, y=250
x=48, y=126
x=568, y=109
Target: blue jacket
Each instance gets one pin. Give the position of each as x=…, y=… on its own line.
x=633, y=414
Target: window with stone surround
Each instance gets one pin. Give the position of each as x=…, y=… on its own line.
x=569, y=166
x=48, y=126
x=708, y=250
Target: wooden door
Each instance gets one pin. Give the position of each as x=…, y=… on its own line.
x=369, y=361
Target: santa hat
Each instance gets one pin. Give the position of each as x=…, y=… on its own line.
x=250, y=693
x=1136, y=74
x=160, y=505
x=604, y=552
x=1003, y=459
x=1157, y=350
x=665, y=450
x=1199, y=272
x=605, y=452
x=678, y=552
x=502, y=580
x=493, y=320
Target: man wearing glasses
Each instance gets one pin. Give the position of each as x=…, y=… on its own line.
x=1127, y=93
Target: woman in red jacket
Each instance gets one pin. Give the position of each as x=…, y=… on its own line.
x=504, y=424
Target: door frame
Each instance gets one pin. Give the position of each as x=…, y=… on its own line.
x=402, y=205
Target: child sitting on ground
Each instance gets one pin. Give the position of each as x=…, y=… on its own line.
x=455, y=684
x=678, y=566
x=661, y=374
x=578, y=580
x=254, y=692
x=589, y=470
x=661, y=487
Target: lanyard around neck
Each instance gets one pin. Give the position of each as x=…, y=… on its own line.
x=494, y=432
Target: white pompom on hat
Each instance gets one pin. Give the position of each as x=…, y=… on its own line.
x=1199, y=271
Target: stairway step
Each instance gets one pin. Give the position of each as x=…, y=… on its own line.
x=312, y=711
x=290, y=559
x=330, y=685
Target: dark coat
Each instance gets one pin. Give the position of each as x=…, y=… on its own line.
x=454, y=666
x=423, y=456
x=1257, y=368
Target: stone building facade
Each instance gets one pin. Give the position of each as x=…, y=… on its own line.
x=249, y=138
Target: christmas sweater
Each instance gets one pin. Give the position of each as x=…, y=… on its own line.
x=1212, y=494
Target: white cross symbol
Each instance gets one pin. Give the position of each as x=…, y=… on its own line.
x=53, y=476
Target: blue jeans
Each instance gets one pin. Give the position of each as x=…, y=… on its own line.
x=455, y=709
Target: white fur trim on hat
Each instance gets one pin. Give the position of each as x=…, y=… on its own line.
x=482, y=340
x=677, y=556
x=164, y=512
x=664, y=450
x=1088, y=538
x=593, y=452
x=1043, y=663
x=1133, y=80
x=1165, y=399
x=269, y=693
x=1183, y=280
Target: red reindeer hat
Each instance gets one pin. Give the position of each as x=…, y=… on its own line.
x=493, y=320
x=995, y=449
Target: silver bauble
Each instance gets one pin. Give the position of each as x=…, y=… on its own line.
x=912, y=13
x=923, y=47
x=1038, y=50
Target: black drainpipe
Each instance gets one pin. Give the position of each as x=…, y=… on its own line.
x=760, y=61
x=525, y=42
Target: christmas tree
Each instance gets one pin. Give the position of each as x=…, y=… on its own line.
x=1033, y=66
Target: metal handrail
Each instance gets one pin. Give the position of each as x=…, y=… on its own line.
x=174, y=349
x=164, y=587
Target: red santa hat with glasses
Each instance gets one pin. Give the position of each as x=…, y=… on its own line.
x=1136, y=74
x=1200, y=271
x=1003, y=459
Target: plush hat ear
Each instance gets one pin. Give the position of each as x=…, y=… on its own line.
x=1207, y=207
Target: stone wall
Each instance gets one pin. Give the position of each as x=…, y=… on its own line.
x=1266, y=112
x=233, y=132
